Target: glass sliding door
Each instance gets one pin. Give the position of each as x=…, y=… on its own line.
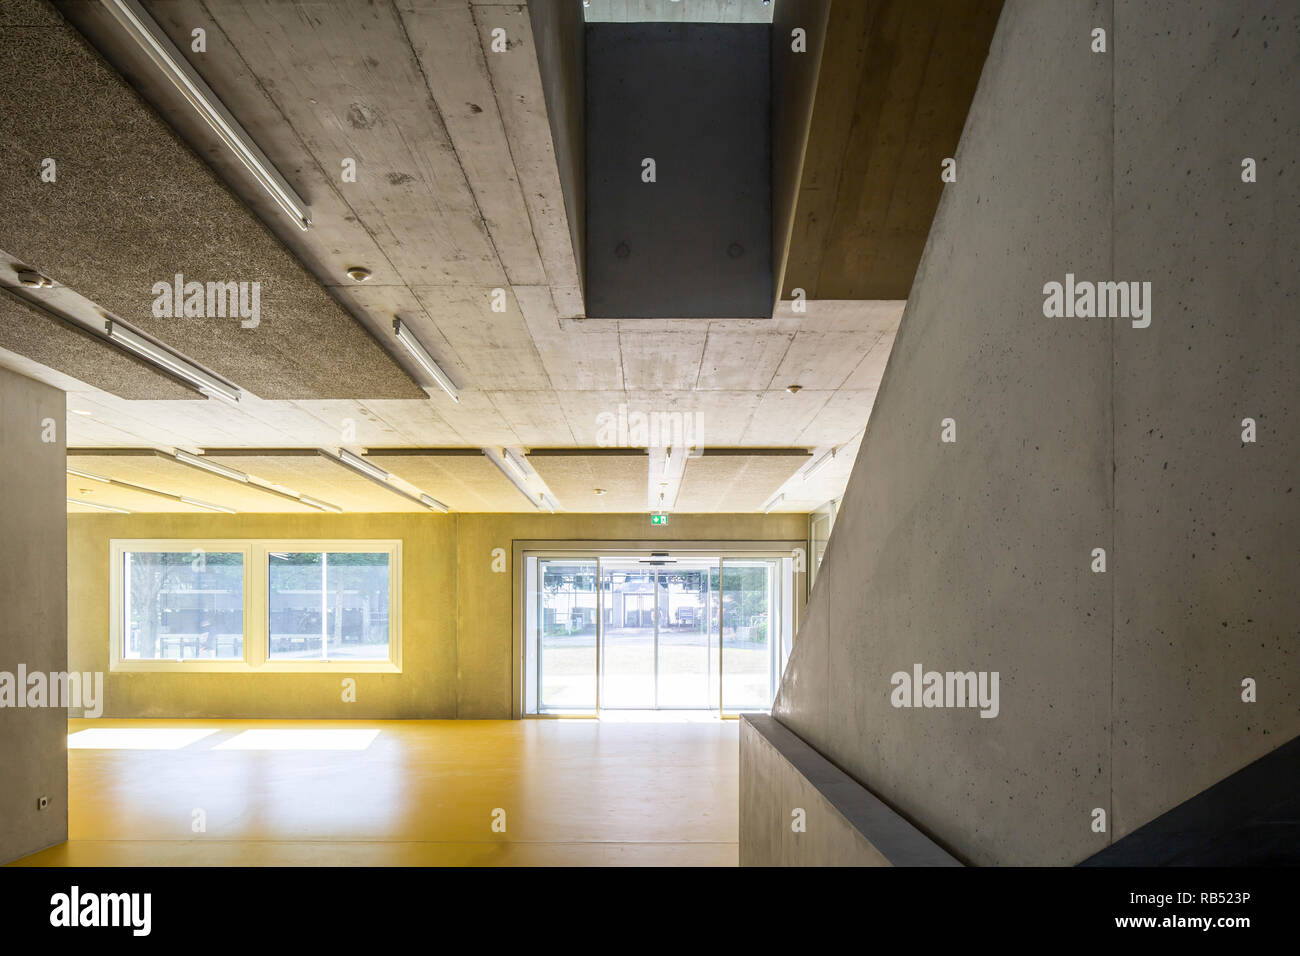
x=687, y=656
x=563, y=612
x=751, y=615
x=629, y=608
x=642, y=632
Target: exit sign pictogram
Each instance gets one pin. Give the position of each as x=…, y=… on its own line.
x=658, y=519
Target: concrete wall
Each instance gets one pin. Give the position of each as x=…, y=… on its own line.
x=1207, y=528
x=33, y=627
x=457, y=614
x=1118, y=690
x=797, y=809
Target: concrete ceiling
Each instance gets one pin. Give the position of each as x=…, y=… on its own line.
x=132, y=205
x=458, y=195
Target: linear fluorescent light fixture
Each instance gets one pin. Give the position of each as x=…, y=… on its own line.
x=207, y=504
x=86, y=474
x=421, y=355
x=171, y=361
x=434, y=503
x=514, y=464
x=213, y=466
x=321, y=505
x=363, y=466
x=819, y=464
x=91, y=504
x=773, y=503
x=155, y=43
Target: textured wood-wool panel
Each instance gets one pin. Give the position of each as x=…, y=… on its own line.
x=464, y=479
x=64, y=347
x=309, y=471
x=736, y=480
x=133, y=206
x=573, y=475
x=154, y=469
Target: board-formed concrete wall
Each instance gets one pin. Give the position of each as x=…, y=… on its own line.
x=1120, y=691
x=34, y=622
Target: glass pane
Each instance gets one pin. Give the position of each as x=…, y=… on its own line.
x=356, y=619
x=294, y=621
x=327, y=606
x=566, y=635
x=687, y=663
x=748, y=617
x=628, y=658
x=183, y=604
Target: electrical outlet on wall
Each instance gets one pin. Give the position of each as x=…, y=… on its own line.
x=42, y=802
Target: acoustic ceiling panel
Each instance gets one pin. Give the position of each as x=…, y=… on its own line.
x=464, y=479
x=132, y=206
x=126, y=497
x=575, y=474
x=739, y=480
x=310, y=471
x=154, y=469
x=64, y=347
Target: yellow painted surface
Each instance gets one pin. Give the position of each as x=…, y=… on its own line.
x=573, y=792
x=457, y=614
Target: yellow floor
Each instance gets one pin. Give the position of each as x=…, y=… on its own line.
x=574, y=792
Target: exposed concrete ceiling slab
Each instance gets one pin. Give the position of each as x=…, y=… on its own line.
x=463, y=479
x=312, y=472
x=133, y=206
x=151, y=468
x=575, y=474
x=521, y=101
x=534, y=375
x=70, y=349
x=736, y=479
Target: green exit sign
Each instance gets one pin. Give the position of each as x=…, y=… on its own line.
x=658, y=519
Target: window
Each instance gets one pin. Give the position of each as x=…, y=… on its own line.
x=328, y=605
x=265, y=605
x=183, y=605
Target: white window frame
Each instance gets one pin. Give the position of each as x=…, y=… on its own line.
x=256, y=552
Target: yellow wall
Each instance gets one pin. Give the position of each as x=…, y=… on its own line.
x=457, y=614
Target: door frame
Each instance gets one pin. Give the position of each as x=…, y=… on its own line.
x=570, y=548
